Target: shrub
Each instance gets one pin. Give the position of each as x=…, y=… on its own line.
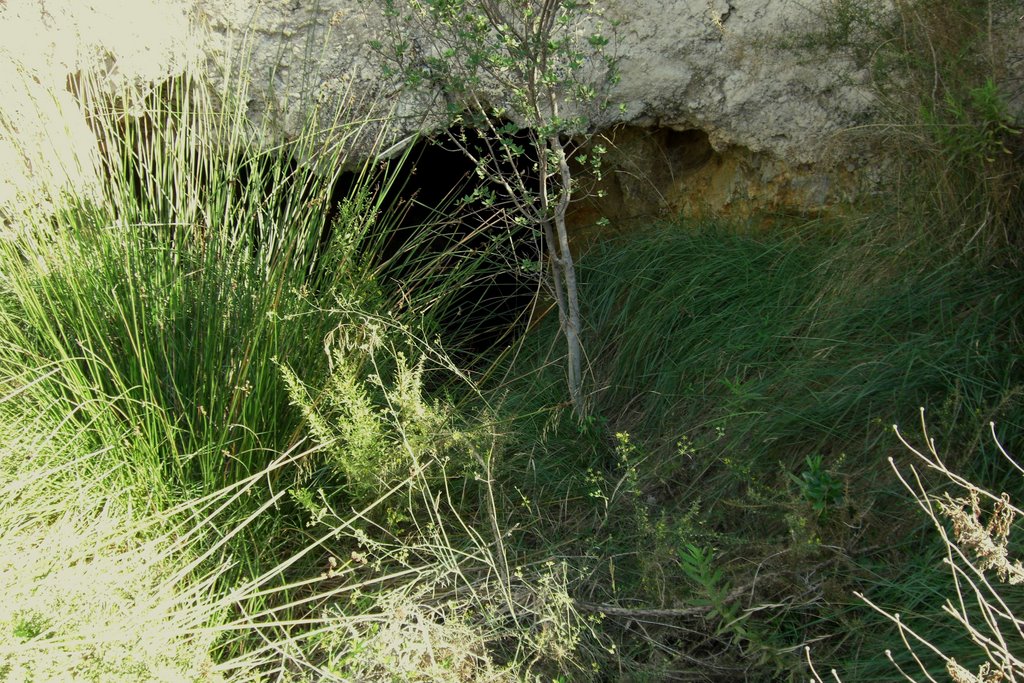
x=540, y=64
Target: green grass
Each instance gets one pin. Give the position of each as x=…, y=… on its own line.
x=942, y=77
x=230, y=437
x=757, y=376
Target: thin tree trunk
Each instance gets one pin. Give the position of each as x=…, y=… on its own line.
x=571, y=321
x=551, y=244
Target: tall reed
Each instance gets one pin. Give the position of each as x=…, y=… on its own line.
x=206, y=262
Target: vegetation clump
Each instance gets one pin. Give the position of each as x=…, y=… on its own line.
x=524, y=76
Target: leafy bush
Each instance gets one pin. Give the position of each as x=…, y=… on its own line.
x=370, y=416
x=539, y=63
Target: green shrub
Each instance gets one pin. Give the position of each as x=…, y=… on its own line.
x=370, y=416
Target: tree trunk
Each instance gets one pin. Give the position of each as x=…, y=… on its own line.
x=570, y=316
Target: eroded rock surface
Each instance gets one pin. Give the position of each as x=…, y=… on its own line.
x=722, y=104
x=769, y=112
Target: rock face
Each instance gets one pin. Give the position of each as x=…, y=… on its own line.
x=718, y=110
x=710, y=73
x=724, y=68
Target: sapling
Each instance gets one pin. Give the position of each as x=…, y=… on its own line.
x=525, y=76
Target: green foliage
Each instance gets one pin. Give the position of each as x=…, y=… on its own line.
x=979, y=127
x=371, y=417
x=301, y=505
x=187, y=336
x=541, y=64
x=509, y=50
x=28, y=625
x=759, y=429
x=699, y=566
x=818, y=486
x=202, y=265
x=176, y=329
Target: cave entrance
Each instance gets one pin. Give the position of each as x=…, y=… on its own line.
x=450, y=239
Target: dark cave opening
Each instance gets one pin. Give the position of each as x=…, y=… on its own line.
x=451, y=234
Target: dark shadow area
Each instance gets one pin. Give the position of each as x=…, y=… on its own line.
x=448, y=236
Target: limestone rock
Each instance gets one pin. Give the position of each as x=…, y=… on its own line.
x=731, y=74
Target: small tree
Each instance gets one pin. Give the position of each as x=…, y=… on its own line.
x=524, y=75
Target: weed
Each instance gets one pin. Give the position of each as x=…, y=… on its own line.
x=941, y=77
x=987, y=635
x=819, y=487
